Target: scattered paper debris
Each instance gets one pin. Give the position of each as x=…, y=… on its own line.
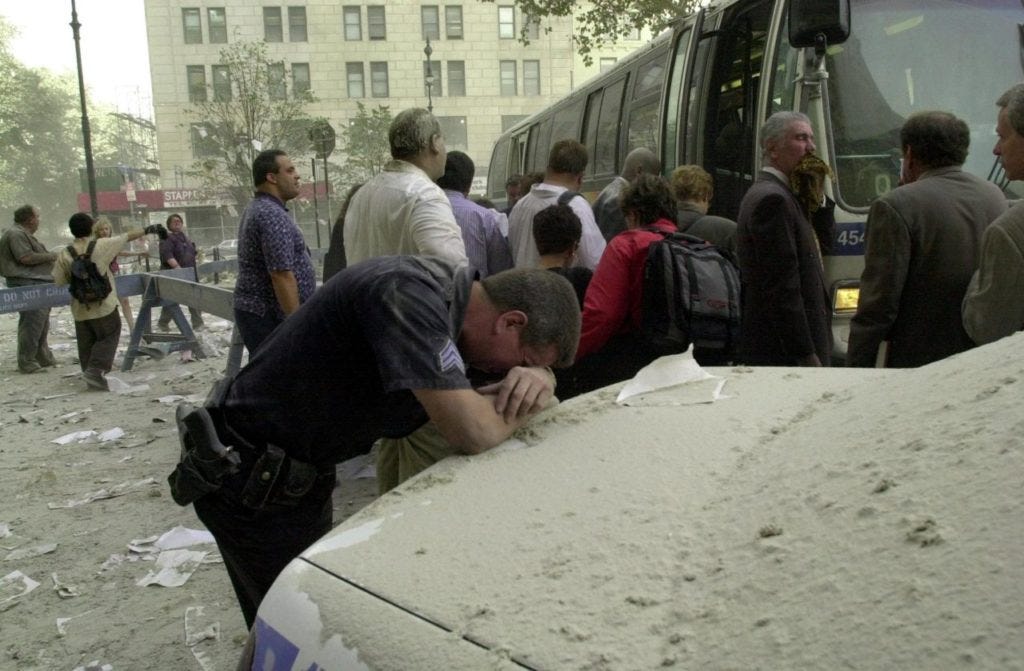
x=170, y=399
x=119, y=386
x=680, y=372
x=29, y=552
x=94, y=665
x=111, y=434
x=62, y=622
x=173, y=568
x=5, y=530
x=182, y=537
x=196, y=633
x=116, y=490
x=75, y=437
x=13, y=587
x=63, y=591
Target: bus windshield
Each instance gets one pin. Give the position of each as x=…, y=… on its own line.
x=906, y=56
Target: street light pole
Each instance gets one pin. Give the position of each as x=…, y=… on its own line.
x=90, y=171
x=429, y=78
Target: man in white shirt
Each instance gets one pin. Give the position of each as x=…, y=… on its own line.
x=401, y=210
x=566, y=164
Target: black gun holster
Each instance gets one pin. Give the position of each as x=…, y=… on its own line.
x=205, y=460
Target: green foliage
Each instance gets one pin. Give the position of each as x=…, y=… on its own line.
x=364, y=145
x=229, y=129
x=598, y=23
x=40, y=141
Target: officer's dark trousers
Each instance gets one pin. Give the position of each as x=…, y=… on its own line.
x=97, y=341
x=33, y=327
x=257, y=545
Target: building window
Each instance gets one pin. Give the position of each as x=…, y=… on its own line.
x=376, y=24
x=433, y=69
x=354, y=77
x=275, y=81
x=430, y=22
x=453, y=22
x=456, y=78
x=296, y=24
x=272, y=29
x=379, y=79
x=532, y=26
x=531, y=78
x=204, y=144
x=196, y=83
x=634, y=34
x=191, y=22
x=300, y=79
x=507, y=22
x=221, y=83
x=217, y=24
x=453, y=129
x=508, y=78
x=607, y=64
x=353, y=19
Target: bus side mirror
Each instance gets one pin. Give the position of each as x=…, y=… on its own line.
x=815, y=23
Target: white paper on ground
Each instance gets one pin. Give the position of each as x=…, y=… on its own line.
x=14, y=586
x=29, y=552
x=672, y=371
x=74, y=437
x=111, y=434
x=182, y=537
x=173, y=568
x=119, y=386
x=116, y=490
x=5, y=530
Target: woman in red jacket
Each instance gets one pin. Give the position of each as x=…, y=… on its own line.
x=608, y=352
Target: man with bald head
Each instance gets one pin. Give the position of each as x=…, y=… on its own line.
x=607, y=212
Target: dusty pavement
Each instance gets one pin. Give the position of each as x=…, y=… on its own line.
x=81, y=519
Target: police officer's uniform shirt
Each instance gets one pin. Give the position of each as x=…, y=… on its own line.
x=338, y=373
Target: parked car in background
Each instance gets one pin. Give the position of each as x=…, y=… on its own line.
x=227, y=249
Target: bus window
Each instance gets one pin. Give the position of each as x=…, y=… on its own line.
x=539, y=151
x=566, y=122
x=517, y=153
x=784, y=73
x=674, y=110
x=498, y=170
x=605, y=150
x=732, y=95
x=643, y=126
x=649, y=77
x=870, y=99
x=590, y=126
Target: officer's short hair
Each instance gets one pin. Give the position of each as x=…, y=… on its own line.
x=1013, y=101
x=458, y=172
x=265, y=163
x=556, y=229
x=411, y=132
x=24, y=213
x=549, y=303
x=568, y=157
x=937, y=139
x=80, y=224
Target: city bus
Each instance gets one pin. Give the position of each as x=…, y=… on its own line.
x=699, y=92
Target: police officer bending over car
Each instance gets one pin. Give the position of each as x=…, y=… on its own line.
x=375, y=352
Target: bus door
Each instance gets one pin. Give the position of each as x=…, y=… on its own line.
x=675, y=96
x=734, y=52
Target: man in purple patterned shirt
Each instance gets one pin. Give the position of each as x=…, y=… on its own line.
x=275, y=273
x=486, y=248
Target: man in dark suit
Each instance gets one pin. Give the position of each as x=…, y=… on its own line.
x=923, y=242
x=785, y=313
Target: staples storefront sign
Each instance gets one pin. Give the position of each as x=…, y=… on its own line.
x=192, y=198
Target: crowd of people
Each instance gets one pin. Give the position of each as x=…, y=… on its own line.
x=440, y=318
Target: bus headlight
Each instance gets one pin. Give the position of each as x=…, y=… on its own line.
x=844, y=299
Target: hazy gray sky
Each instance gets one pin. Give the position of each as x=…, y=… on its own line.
x=115, y=59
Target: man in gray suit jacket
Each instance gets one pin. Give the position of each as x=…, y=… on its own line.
x=923, y=243
x=785, y=307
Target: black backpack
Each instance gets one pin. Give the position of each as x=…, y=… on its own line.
x=87, y=284
x=691, y=294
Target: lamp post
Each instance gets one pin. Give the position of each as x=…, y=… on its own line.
x=429, y=78
x=90, y=172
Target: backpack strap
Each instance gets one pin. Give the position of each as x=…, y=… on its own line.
x=88, y=250
x=72, y=251
x=566, y=196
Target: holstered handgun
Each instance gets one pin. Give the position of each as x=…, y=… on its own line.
x=205, y=460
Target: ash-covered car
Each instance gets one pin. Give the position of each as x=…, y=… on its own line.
x=798, y=518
